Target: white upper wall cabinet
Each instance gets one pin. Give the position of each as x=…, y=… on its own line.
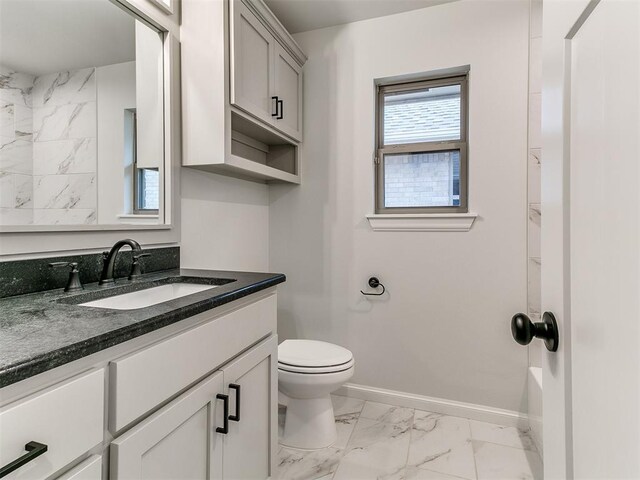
x=252, y=64
x=266, y=80
x=287, y=87
x=241, y=91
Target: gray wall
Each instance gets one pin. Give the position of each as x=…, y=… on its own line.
x=443, y=330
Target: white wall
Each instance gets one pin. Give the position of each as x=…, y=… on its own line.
x=149, y=106
x=116, y=89
x=225, y=222
x=443, y=330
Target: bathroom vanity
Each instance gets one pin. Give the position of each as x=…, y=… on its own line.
x=184, y=388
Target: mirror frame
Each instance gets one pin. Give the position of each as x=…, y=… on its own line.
x=165, y=20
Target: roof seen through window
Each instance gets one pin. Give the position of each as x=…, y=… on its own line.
x=429, y=115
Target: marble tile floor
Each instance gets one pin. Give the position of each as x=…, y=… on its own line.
x=384, y=442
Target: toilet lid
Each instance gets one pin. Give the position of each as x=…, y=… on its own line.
x=283, y=367
x=312, y=353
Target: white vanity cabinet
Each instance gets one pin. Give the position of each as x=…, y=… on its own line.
x=196, y=399
x=266, y=81
x=67, y=418
x=90, y=469
x=206, y=434
x=251, y=382
x=179, y=441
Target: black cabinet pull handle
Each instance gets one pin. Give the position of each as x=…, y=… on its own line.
x=236, y=417
x=524, y=330
x=225, y=414
x=277, y=103
x=34, y=449
x=280, y=103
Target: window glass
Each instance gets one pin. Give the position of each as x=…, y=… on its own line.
x=425, y=115
x=149, y=191
x=428, y=179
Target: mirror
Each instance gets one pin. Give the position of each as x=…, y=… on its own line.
x=81, y=115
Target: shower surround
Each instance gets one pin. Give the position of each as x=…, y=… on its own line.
x=48, y=159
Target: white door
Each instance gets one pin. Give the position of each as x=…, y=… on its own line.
x=251, y=64
x=590, y=238
x=288, y=88
x=179, y=441
x=252, y=385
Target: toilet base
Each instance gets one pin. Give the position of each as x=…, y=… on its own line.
x=309, y=423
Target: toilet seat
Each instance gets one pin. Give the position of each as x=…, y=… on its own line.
x=313, y=356
x=314, y=370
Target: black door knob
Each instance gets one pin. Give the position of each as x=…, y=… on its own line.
x=524, y=330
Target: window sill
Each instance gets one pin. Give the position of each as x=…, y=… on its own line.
x=425, y=222
x=138, y=215
x=139, y=219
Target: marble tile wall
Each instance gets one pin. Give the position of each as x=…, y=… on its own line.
x=64, y=148
x=16, y=148
x=533, y=165
x=48, y=155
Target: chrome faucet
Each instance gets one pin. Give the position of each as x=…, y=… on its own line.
x=109, y=259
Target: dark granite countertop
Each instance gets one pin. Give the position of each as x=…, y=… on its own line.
x=41, y=331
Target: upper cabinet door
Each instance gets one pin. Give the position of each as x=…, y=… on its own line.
x=252, y=385
x=251, y=64
x=179, y=441
x=288, y=89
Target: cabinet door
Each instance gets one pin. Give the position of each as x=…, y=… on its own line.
x=288, y=89
x=179, y=441
x=90, y=469
x=251, y=382
x=251, y=64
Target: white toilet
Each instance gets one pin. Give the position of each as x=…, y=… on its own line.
x=308, y=371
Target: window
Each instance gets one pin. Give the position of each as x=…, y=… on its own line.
x=146, y=181
x=421, y=156
x=146, y=188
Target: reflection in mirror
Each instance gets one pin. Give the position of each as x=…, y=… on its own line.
x=81, y=115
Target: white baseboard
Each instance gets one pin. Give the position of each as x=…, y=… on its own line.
x=508, y=418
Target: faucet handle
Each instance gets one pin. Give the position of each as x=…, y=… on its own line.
x=74, y=275
x=135, y=266
x=73, y=265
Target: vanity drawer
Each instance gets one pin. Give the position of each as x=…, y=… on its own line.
x=90, y=469
x=145, y=379
x=68, y=418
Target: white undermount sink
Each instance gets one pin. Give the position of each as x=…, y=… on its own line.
x=149, y=296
